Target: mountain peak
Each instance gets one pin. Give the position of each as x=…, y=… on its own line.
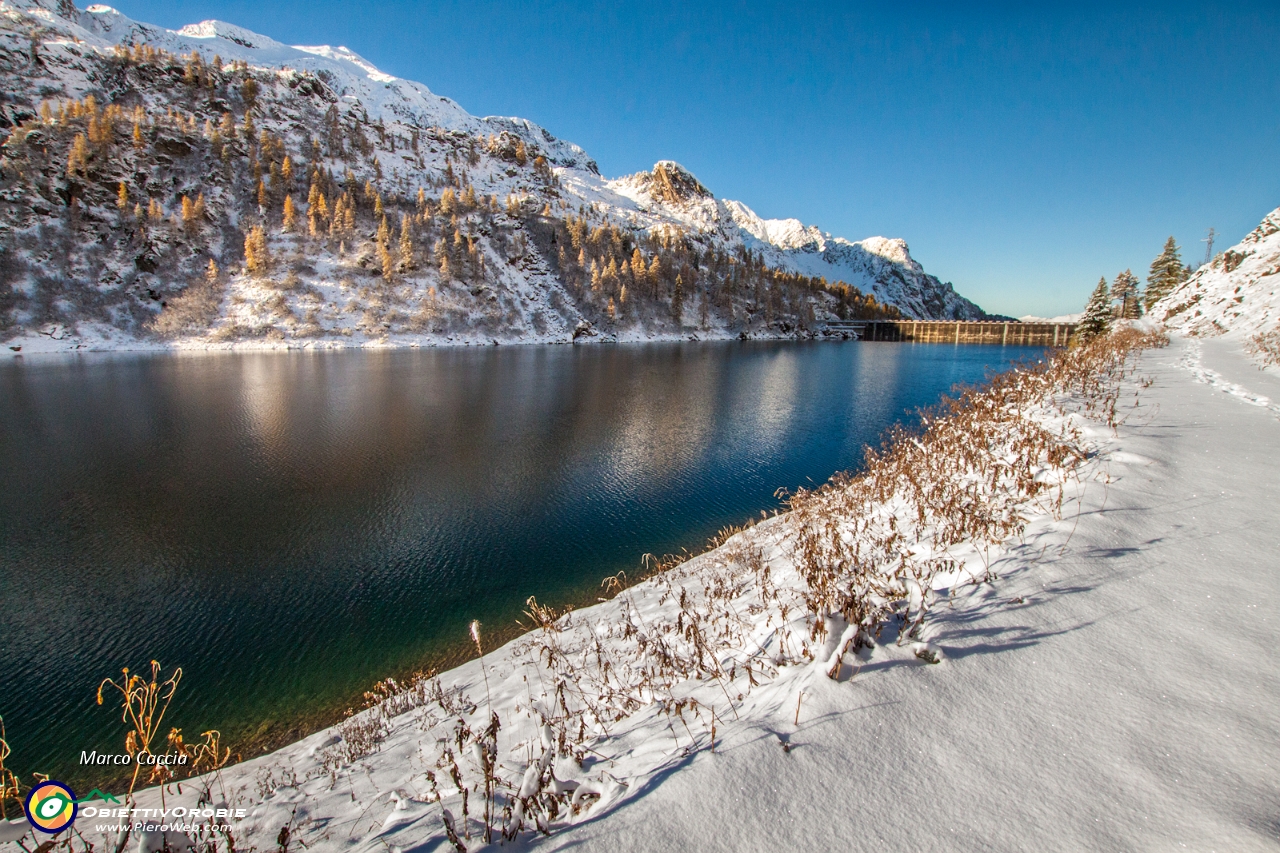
x=674, y=184
x=221, y=29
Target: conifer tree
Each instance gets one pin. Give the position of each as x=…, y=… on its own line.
x=122, y=196
x=1097, y=313
x=256, y=259
x=1125, y=291
x=188, y=214
x=383, y=241
x=638, y=272
x=677, y=300
x=1166, y=273
x=406, y=244
x=78, y=159
x=290, y=215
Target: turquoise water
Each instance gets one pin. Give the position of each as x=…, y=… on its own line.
x=291, y=527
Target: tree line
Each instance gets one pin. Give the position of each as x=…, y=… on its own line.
x=1124, y=300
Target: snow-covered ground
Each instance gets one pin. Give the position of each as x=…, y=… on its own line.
x=1117, y=693
x=1108, y=688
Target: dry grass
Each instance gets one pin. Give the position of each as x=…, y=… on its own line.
x=867, y=550
x=10, y=787
x=1266, y=346
x=143, y=704
x=851, y=558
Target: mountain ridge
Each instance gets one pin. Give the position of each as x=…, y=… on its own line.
x=338, y=119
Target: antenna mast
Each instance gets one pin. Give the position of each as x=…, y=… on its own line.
x=1208, y=248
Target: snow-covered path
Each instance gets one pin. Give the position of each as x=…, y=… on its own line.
x=1122, y=693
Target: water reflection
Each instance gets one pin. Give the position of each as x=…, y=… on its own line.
x=291, y=526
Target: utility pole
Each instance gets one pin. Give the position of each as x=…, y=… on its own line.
x=1208, y=248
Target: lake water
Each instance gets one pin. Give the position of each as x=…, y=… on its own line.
x=291, y=527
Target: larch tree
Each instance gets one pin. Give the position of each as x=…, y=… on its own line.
x=189, y=221
x=385, y=258
x=256, y=259
x=406, y=244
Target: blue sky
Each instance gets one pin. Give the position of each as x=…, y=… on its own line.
x=1021, y=153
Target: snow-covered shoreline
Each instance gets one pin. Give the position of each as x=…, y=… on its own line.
x=99, y=341
x=579, y=716
x=1077, y=700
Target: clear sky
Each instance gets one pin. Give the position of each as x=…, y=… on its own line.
x=1021, y=153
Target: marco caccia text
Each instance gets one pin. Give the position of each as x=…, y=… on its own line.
x=145, y=759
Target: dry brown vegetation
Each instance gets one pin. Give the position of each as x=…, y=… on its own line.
x=866, y=548
x=1266, y=346
x=853, y=563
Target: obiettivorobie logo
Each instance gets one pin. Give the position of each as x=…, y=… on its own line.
x=52, y=806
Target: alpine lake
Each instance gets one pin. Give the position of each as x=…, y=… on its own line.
x=291, y=527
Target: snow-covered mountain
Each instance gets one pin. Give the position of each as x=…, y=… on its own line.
x=877, y=265
x=1236, y=293
x=141, y=167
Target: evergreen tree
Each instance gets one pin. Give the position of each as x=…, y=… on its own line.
x=1167, y=272
x=1125, y=291
x=677, y=300
x=1097, y=314
x=290, y=214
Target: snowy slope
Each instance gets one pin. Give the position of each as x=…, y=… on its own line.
x=1112, y=691
x=1236, y=293
x=394, y=133
x=1105, y=688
